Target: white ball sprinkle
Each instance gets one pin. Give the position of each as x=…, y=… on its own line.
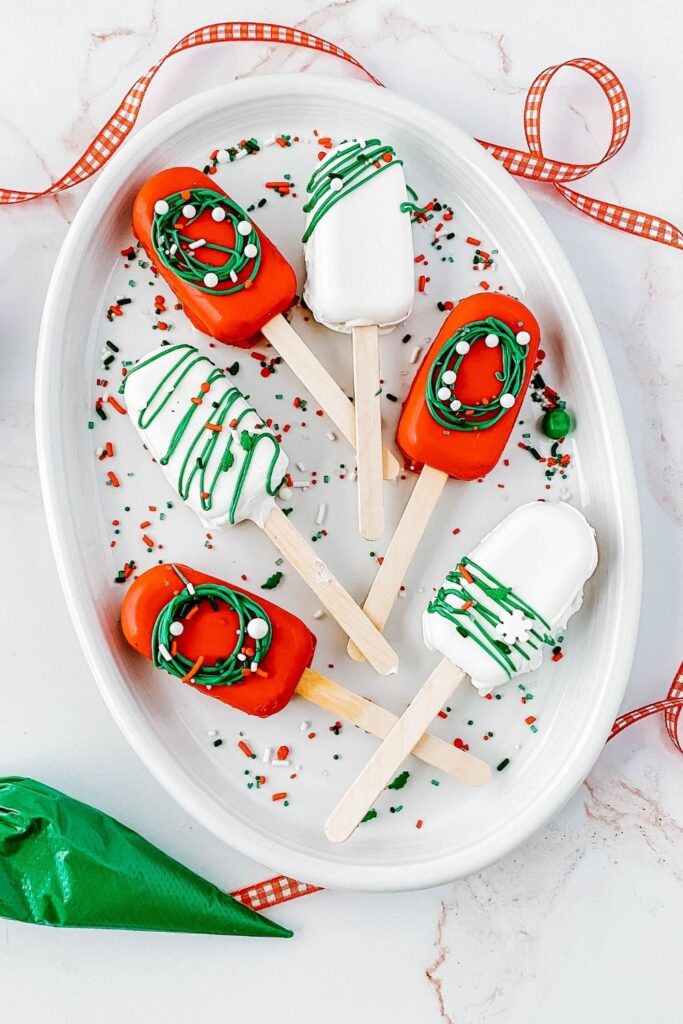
x=462, y=348
x=336, y=184
x=161, y=207
x=222, y=156
x=218, y=214
x=455, y=404
x=285, y=493
x=176, y=629
x=448, y=377
x=443, y=394
x=507, y=400
x=491, y=340
x=523, y=338
x=211, y=280
x=244, y=227
x=257, y=629
x=250, y=251
x=189, y=211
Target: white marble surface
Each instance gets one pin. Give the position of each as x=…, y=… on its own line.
x=581, y=923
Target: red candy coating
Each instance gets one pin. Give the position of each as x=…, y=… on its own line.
x=234, y=319
x=290, y=652
x=466, y=455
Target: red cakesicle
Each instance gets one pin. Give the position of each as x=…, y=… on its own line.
x=466, y=455
x=210, y=633
x=231, y=318
x=237, y=311
x=439, y=451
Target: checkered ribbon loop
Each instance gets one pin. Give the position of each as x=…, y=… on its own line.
x=671, y=708
x=538, y=167
x=532, y=164
x=275, y=890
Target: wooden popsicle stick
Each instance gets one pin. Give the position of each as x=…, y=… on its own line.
x=399, y=555
x=338, y=602
x=366, y=394
x=383, y=764
x=378, y=722
x=321, y=384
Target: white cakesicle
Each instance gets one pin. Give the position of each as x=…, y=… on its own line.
x=359, y=254
x=225, y=475
x=544, y=552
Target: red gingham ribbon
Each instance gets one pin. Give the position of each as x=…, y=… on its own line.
x=672, y=707
x=275, y=890
x=532, y=164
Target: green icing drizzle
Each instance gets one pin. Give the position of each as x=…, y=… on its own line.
x=478, y=620
x=226, y=671
x=205, y=442
x=342, y=172
x=172, y=245
x=475, y=417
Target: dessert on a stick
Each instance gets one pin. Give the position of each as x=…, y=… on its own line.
x=360, y=281
x=253, y=655
x=228, y=466
x=232, y=282
x=496, y=614
x=456, y=420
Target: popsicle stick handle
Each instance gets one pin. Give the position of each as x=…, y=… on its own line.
x=401, y=739
x=399, y=555
x=378, y=721
x=330, y=592
x=366, y=392
x=321, y=384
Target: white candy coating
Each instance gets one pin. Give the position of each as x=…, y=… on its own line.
x=245, y=488
x=359, y=258
x=545, y=551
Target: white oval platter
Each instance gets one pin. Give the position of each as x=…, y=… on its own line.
x=571, y=704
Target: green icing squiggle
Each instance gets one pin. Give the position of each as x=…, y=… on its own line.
x=205, y=442
x=476, y=619
x=172, y=246
x=475, y=417
x=343, y=172
x=226, y=671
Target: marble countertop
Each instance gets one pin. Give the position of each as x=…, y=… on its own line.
x=583, y=922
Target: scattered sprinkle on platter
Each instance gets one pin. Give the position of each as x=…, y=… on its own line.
x=266, y=786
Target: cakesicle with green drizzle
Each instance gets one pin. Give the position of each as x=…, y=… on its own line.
x=495, y=616
x=456, y=420
x=360, y=280
x=227, y=465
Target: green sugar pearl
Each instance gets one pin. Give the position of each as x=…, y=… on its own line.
x=556, y=423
